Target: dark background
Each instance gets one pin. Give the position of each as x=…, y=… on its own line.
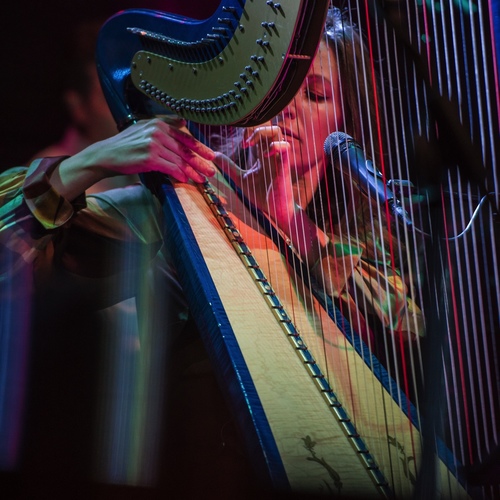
x=33, y=37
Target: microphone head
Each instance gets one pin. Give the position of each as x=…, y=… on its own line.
x=334, y=140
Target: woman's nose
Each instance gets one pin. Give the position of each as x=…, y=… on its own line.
x=290, y=111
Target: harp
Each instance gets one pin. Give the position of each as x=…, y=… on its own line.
x=360, y=426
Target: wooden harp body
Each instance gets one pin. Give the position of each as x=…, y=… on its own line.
x=319, y=411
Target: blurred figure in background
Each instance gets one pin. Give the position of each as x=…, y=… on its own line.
x=110, y=337
x=88, y=114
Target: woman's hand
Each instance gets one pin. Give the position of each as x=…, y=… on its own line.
x=272, y=175
x=160, y=145
x=285, y=191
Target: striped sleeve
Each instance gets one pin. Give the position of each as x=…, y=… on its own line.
x=30, y=211
x=44, y=202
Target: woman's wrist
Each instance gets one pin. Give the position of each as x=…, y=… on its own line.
x=74, y=176
x=49, y=206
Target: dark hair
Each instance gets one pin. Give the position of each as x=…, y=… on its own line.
x=358, y=109
x=356, y=83
x=358, y=86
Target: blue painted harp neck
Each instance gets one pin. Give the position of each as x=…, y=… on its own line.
x=241, y=66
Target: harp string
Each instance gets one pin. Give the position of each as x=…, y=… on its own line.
x=336, y=204
x=490, y=48
x=459, y=383
x=431, y=24
x=407, y=354
x=480, y=51
x=378, y=102
x=492, y=45
x=436, y=32
x=428, y=20
x=334, y=79
x=477, y=336
x=409, y=236
x=482, y=132
x=468, y=279
x=371, y=134
x=477, y=104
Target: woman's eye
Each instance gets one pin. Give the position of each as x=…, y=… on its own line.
x=315, y=96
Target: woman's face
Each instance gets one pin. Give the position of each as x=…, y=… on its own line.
x=314, y=113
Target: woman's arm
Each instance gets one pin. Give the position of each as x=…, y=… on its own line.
x=160, y=145
x=36, y=203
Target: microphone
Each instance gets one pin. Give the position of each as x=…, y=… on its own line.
x=342, y=148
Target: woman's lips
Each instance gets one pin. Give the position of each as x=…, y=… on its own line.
x=288, y=134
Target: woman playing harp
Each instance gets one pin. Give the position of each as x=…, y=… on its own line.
x=49, y=229
x=284, y=166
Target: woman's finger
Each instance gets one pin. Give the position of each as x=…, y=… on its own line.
x=191, y=143
x=263, y=134
x=188, y=154
x=278, y=148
